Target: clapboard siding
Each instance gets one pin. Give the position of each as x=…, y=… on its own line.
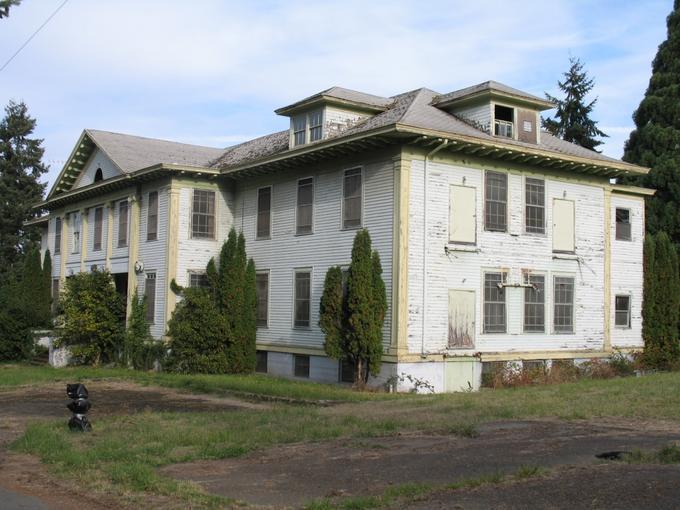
x=627, y=270
x=479, y=115
x=329, y=245
x=97, y=160
x=513, y=251
x=96, y=257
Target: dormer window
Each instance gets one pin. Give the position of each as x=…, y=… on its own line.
x=307, y=127
x=503, y=121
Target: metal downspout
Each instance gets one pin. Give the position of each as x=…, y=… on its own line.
x=439, y=147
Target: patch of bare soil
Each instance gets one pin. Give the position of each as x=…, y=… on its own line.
x=25, y=475
x=294, y=474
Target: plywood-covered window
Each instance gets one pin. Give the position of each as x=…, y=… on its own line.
x=462, y=214
x=496, y=202
x=534, y=214
x=203, y=214
x=563, y=226
x=262, y=293
x=563, y=317
x=98, y=227
x=122, y=223
x=494, y=303
x=461, y=319
x=534, y=304
x=305, y=206
x=351, y=195
x=57, y=236
x=622, y=311
x=264, y=212
x=623, y=224
x=150, y=294
x=75, y=229
x=302, y=298
x=152, y=217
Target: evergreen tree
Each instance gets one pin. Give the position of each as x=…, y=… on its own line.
x=572, y=121
x=332, y=316
x=140, y=349
x=655, y=142
x=20, y=169
x=649, y=312
x=5, y=5
x=31, y=281
x=46, y=289
x=248, y=341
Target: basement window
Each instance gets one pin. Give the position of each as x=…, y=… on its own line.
x=503, y=121
x=301, y=365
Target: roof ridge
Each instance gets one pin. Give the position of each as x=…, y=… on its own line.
x=90, y=131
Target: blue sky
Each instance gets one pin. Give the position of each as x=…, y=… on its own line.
x=212, y=72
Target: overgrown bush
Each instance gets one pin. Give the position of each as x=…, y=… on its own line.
x=93, y=318
x=140, y=350
x=16, y=340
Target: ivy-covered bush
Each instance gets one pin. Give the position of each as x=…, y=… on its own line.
x=93, y=318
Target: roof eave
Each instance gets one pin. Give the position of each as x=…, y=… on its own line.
x=323, y=99
x=481, y=95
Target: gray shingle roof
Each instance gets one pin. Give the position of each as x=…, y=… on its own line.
x=343, y=94
x=487, y=86
x=253, y=149
x=133, y=153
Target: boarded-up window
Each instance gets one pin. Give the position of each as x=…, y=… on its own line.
x=494, y=303
x=152, y=217
x=302, y=299
x=564, y=304
x=534, y=304
x=301, y=365
x=75, y=228
x=262, y=291
x=122, y=223
x=98, y=221
x=623, y=224
x=461, y=319
x=264, y=212
x=57, y=236
x=203, y=214
x=150, y=293
x=496, y=202
x=351, y=193
x=261, y=362
x=305, y=206
x=622, y=311
x=535, y=206
x=563, y=225
x=527, y=120
x=462, y=214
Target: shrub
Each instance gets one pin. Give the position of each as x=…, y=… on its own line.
x=93, y=315
x=16, y=340
x=140, y=351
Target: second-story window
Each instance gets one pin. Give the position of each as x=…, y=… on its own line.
x=203, y=214
x=623, y=224
x=305, y=206
x=122, y=224
x=152, y=217
x=299, y=130
x=75, y=226
x=535, y=206
x=351, y=194
x=264, y=212
x=57, y=236
x=496, y=202
x=98, y=223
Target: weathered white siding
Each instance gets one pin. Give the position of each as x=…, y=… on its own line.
x=97, y=160
x=514, y=251
x=336, y=120
x=327, y=246
x=627, y=270
x=478, y=115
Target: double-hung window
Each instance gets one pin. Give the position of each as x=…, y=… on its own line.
x=299, y=130
x=198, y=279
x=305, y=206
x=302, y=298
x=494, y=303
x=122, y=223
x=150, y=294
x=152, y=217
x=264, y=212
x=57, y=236
x=203, y=214
x=315, y=120
x=623, y=224
x=262, y=293
x=534, y=215
x=622, y=311
x=75, y=226
x=351, y=198
x=563, y=319
x=534, y=304
x=98, y=224
x=496, y=202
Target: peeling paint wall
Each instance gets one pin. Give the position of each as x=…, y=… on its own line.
x=336, y=120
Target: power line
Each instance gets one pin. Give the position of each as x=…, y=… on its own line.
x=33, y=35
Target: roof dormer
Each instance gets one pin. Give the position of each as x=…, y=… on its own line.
x=498, y=110
x=329, y=113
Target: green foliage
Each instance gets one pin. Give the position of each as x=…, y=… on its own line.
x=35, y=290
x=5, y=5
x=140, y=350
x=231, y=296
x=655, y=142
x=661, y=306
x=46, y=289
x=572, y=120
x=197, y=333
x=16, y=340
x=353, y=323
x=93, y=318
x=20, y=190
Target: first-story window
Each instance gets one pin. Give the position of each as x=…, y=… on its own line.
x=564, y=304
x=622, y=311
x=57, y=236
x=534, y=304
x=150, y=293
x=494, y=303
x=262, y=293
x=198, y=279
x=302, y=298
x=301, y=365
x=203, y=214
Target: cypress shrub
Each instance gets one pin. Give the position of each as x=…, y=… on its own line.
x=46, y=290
x=140, y=351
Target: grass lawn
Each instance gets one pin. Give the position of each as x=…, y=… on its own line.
x=122, y=454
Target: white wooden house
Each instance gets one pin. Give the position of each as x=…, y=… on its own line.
x=498, y=241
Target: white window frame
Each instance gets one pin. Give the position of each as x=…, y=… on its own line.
x=96, y=231
x=553, y=303
x=195, y=272
x=258, y=237
x=507, y=201
x=213, y=237
x=311, y=295
x=149, y=215
x=526, y=205
x=269, y=295
x=306, y=131
x=297, y=205
x=504, y=279
x=630, y=225
x=546, y=304
x=57, y=234
x=630, y=311
x=342, y=199
x=119, y=243
x=76, y=233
